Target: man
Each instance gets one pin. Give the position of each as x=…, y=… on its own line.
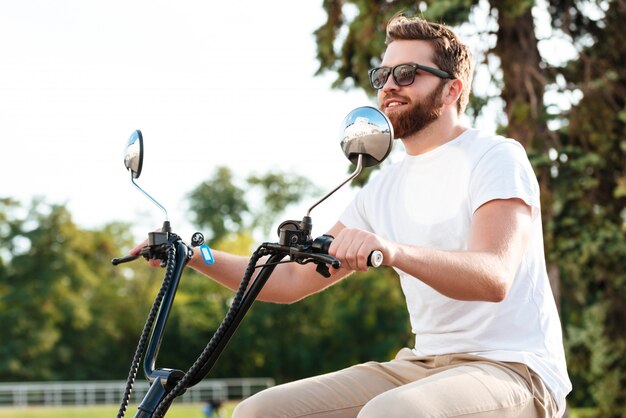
x=459, y=220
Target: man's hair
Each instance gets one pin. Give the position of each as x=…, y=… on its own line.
x=451, y=55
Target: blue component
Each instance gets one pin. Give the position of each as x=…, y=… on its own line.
x=206, y=254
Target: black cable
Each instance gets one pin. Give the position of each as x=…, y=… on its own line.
x=193, y=371
x=132, y=374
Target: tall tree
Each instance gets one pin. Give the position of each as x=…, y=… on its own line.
x=51, y=270
x=67, y=313
x=220, y=203
x=286, y=342
x=589, y=185
x=70, y=315
x=579, y=166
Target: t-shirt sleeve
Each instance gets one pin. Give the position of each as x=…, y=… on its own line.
x=355, y=214
x=504, y=172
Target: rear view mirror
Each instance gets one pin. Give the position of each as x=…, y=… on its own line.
x=133, y=157
x=367, y=132
x=366, y=140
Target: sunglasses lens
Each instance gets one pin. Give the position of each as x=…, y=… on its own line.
x=404, y=74
x=379, y=77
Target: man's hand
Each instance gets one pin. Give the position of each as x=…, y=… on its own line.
x=353, y=247
x=135, y=251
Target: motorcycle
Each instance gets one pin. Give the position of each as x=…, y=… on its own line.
x=366, y=141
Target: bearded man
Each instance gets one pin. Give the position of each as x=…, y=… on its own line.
x=459, y=220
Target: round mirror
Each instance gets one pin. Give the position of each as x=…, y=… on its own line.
x=367, y=131
x=133, y=157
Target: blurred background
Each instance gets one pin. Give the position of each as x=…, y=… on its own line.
x=240, y=105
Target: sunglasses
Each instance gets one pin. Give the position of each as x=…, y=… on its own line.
x=403, y=74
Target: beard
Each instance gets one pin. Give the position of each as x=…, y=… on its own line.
x=418, y=115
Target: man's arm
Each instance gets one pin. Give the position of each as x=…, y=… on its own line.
x=288, y=283
x=484, y=272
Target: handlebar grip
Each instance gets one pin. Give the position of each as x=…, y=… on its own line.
x=375, y=259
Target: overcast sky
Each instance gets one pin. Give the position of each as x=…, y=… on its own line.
x=208, y=83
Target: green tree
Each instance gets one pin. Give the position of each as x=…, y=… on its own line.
x=68, y=314
x=73, y=316
x=220, y=204
x=579, y=162
x=589, y=200
x=298, y=340
x=50, y=271
x=361, y=318
x=119, y=302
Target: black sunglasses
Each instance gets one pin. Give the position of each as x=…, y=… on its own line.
x=403, y=74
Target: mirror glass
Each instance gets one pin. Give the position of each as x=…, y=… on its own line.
x=133, y=157
x=366, y=131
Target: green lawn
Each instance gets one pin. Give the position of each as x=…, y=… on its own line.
x=176, y=411
x=582, y=413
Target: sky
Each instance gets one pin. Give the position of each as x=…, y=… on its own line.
x=208, y=83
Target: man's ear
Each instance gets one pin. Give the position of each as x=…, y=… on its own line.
x=454, y=89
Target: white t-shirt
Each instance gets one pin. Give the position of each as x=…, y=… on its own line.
x=428, y=201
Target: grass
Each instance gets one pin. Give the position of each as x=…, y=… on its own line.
x=177, y=411
x=106, y=411
x=582, y=413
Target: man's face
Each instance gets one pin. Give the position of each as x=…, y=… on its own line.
x=411, y=108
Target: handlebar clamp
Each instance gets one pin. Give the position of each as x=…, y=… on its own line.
x=197, y=239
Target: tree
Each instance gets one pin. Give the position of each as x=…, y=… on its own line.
x=579, y=163
x=68, y=313
x=221, y=205
x=71, y=315
x=287, y=341
x=50, y=273
x=589, y=179
x=361, y=318
x=75, y=316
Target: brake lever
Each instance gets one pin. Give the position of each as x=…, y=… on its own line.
x=146, y=252
x=125, y=259
x=322, y=261
x=156, y=249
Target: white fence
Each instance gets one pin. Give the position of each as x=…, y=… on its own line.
x=110, y=392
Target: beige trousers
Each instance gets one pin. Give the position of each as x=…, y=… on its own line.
x=409, y=386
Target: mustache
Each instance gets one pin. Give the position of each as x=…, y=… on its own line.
x=392, y=96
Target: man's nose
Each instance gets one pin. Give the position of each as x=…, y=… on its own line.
x=390, y=84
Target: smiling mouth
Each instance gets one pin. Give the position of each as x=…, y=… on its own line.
x=393, y=102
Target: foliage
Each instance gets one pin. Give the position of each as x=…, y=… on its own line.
x=295, y=341
x=51, y=291
x=220, y=204
x=352, y=39
x=68, y=313
x=73, y=316
x=579, y=163
x=588, y=185
x=288, y=342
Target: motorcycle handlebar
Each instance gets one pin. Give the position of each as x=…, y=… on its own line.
x=322, y=243
x=375, y=259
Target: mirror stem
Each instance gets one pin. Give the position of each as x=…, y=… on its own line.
x=151, y=198
x=357, y=171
